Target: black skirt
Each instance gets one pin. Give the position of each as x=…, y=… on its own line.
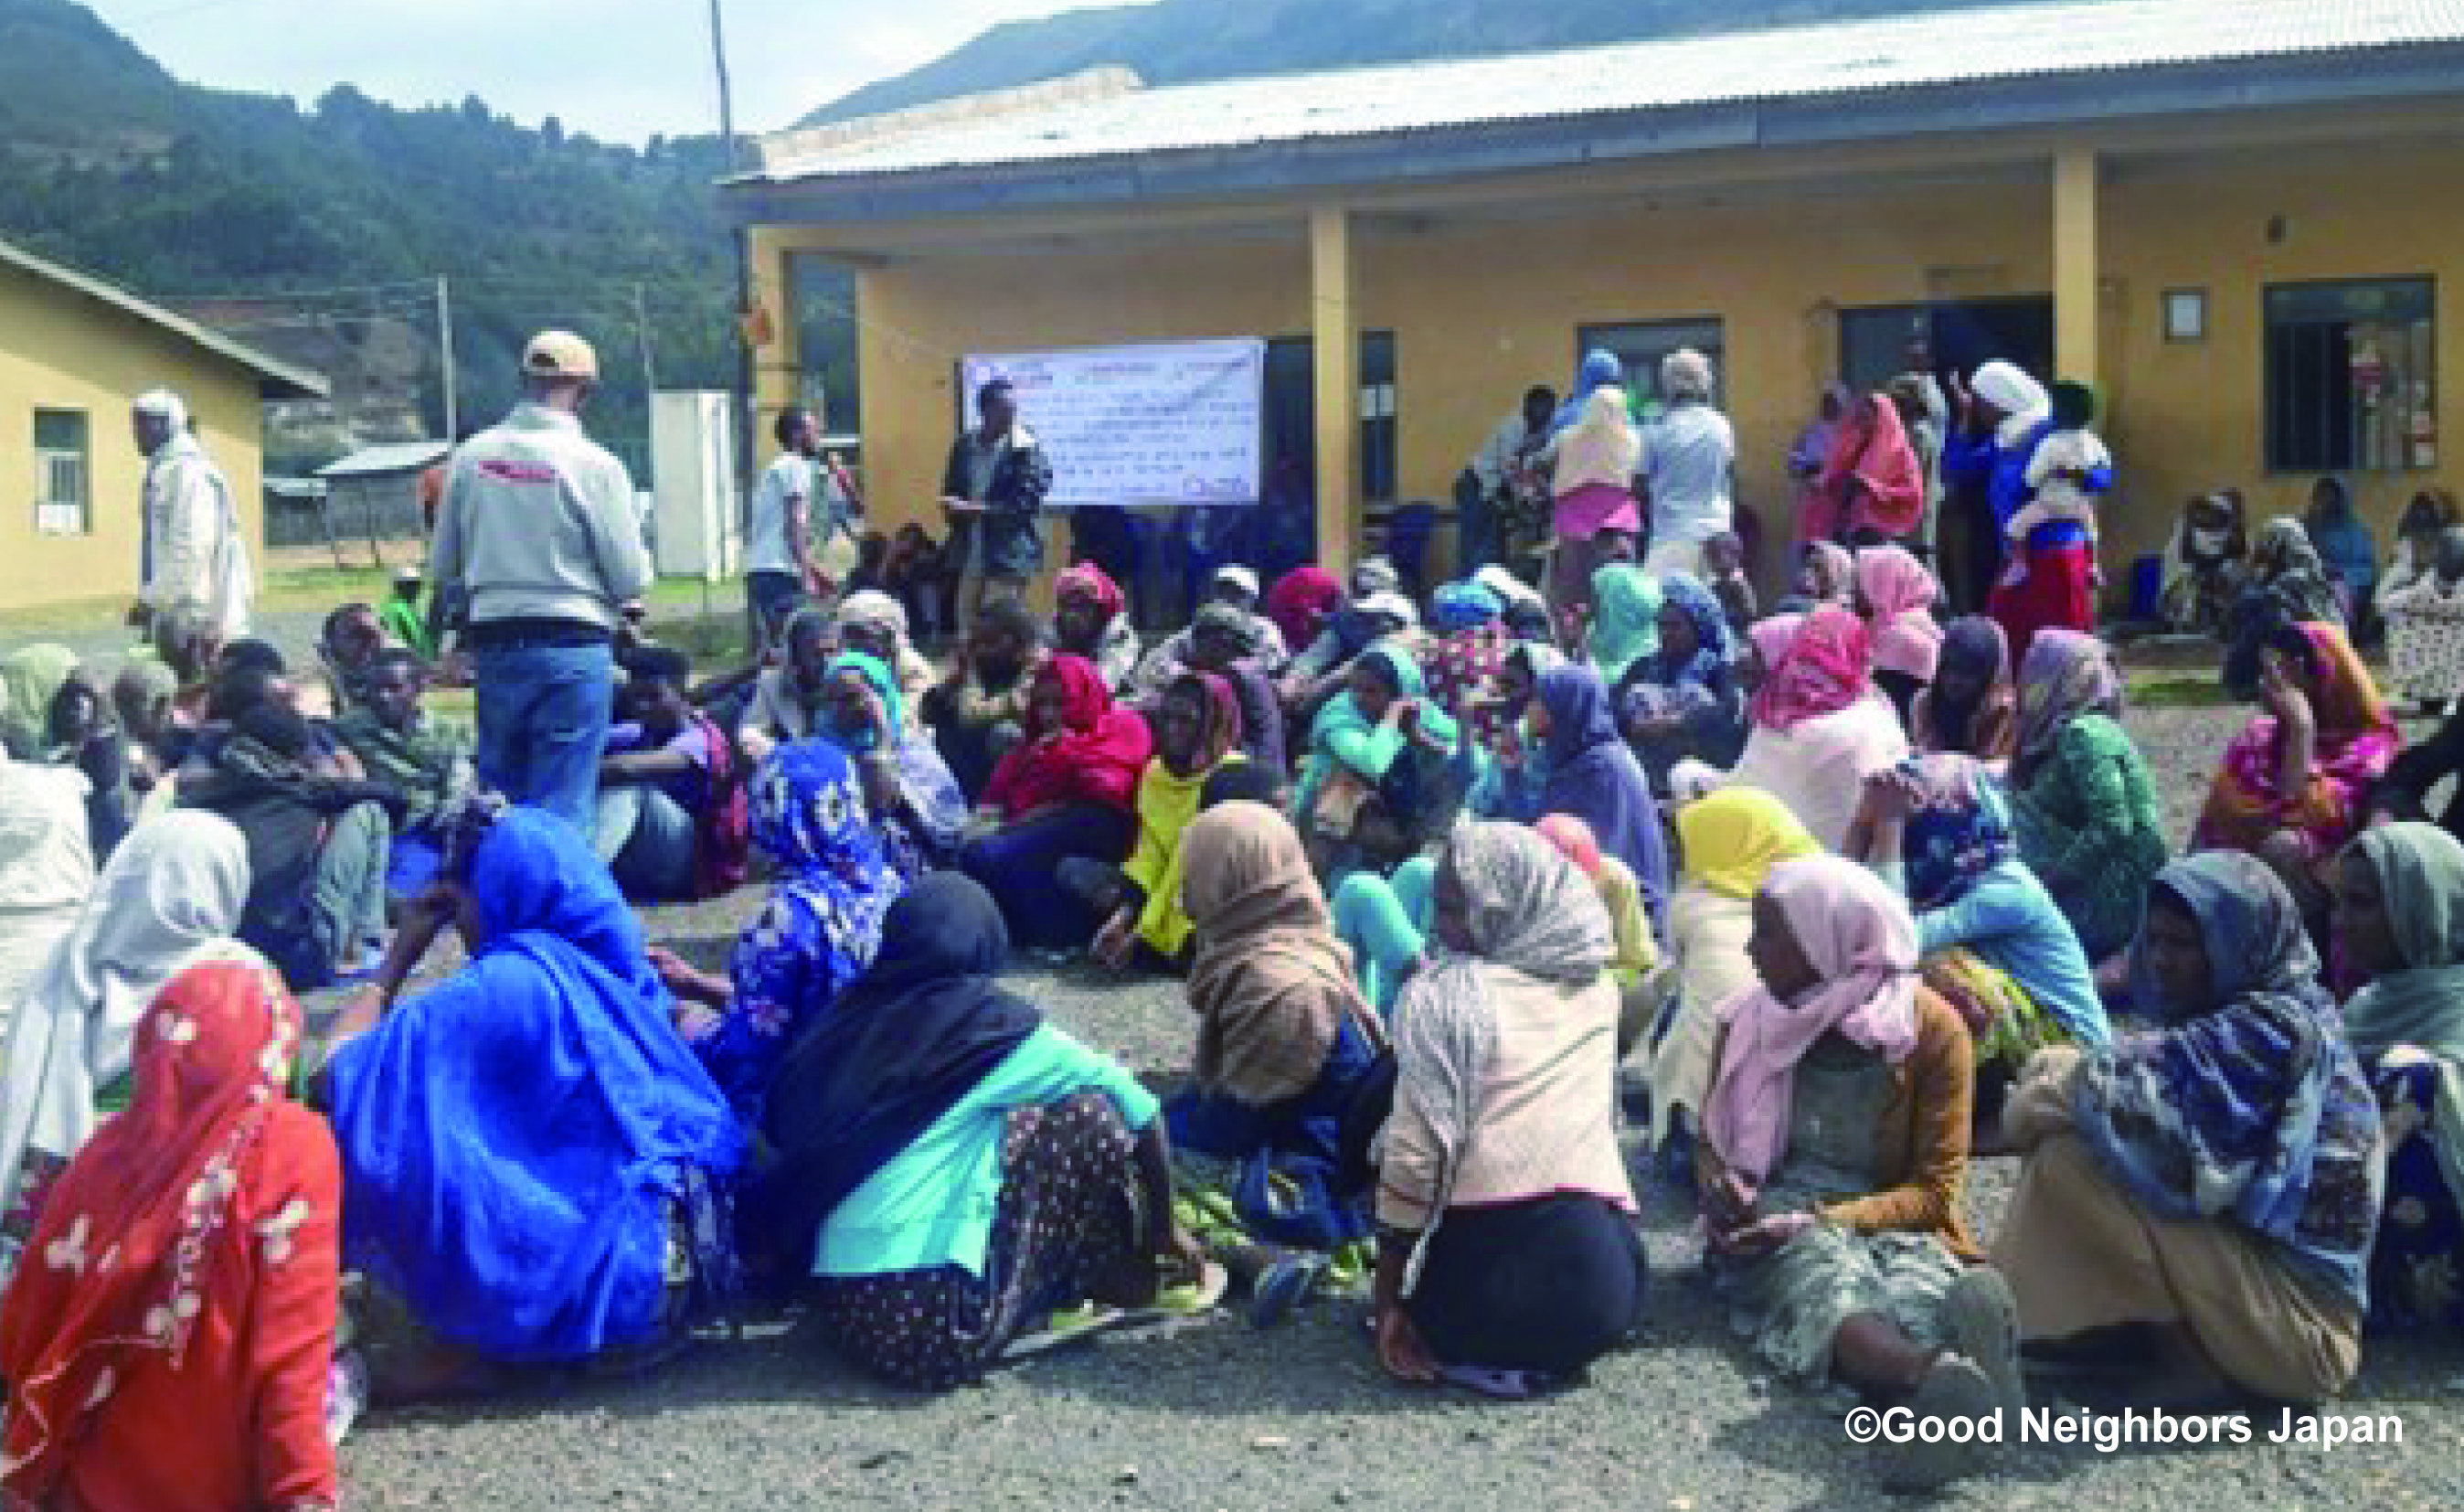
x=1550, y=1284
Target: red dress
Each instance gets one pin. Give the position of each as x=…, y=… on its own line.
x=170, y=1332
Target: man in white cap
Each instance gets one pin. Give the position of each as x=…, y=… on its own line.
x=193, y=562
x=539, y=535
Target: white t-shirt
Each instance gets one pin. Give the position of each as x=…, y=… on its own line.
x=787, y=486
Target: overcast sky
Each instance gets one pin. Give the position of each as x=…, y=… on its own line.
x=618, y=69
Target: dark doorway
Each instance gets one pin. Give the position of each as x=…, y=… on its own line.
x=1874, y=342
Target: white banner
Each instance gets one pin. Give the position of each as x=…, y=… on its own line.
x=1176, y=424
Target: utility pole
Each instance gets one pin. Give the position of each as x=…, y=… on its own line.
x=744, y=405
x=444, y=357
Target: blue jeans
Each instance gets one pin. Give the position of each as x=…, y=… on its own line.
x=647, y=839
x=543, y=715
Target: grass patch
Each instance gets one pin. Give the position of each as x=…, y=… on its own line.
x=2175, y=690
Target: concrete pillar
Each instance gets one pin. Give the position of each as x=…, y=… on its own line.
x=1334, y=343
x=777, y=360
x=2075, y=301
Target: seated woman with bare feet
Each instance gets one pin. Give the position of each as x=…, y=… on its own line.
x=1834, y=1156
x=2203, y=1197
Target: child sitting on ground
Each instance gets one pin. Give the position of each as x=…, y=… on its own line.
x=428, y=763
x=2057, y=475
x=673, y=822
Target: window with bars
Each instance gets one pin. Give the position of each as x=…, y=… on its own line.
x=2352, y=376
x=62, y=477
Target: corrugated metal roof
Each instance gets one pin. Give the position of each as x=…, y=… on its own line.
x=1844, y=58
x=398, y=456
x=278, y=379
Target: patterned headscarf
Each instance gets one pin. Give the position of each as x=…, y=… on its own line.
x=1958, y=828
x=2068, y=673
x=1859, y=939
x=2249, y=1106
x=809, y=815
x=1771, y=639
x=1713, y=645
x=1531, y=911
x=122, y=1253
x=1625, y=619
x=1827, y=667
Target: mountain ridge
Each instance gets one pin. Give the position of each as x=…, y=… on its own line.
x=1192, y=41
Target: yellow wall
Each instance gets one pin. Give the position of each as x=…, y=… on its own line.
x=1485, y=303
x=60, y=350
x=2187, y=418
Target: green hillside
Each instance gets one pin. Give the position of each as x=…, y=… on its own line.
x=1178, y=42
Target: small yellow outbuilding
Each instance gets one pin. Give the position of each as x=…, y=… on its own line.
x=75, y=352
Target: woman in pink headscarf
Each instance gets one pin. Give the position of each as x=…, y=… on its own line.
x=1871, y=487
x=1834, y=1151
x=1896, y=594
x=1819, y=725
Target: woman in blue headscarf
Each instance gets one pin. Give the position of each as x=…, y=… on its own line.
x=1992, y=941
x=1591, y=775
x=2212, y=1186
x=1684, y=699
x=816, y=935
x=915, y=807
x=532, y=1161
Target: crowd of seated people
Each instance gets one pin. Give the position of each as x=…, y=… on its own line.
x=1816, y=909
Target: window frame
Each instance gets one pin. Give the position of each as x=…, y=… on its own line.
x=1642, y=378
x=2353, y=452
x=47, y=460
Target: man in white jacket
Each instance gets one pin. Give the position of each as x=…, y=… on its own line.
x=539, y=529
x=197, y=580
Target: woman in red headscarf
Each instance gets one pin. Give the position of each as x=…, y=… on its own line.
x=168, y=1336
x=1091, y=618
x=1069, y=789
x=1301, y=603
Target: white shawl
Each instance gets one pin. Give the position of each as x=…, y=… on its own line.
x=172, y=893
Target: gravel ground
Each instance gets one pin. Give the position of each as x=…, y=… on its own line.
x=1215, y=1416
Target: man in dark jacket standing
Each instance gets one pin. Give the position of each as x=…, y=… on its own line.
x=992, y=491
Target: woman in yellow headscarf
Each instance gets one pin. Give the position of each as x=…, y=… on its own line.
x=1730, y=840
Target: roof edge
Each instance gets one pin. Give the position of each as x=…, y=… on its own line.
x=276, y=379
x=2409, y=72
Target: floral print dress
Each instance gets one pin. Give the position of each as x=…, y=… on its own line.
x=817, y=933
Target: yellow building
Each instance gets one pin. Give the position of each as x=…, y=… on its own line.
x=2242, y=220
x=73, y=353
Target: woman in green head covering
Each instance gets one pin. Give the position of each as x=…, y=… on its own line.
x=1625, y=620
x=1377, y=759
x=31, y=677
x=2400, y=920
